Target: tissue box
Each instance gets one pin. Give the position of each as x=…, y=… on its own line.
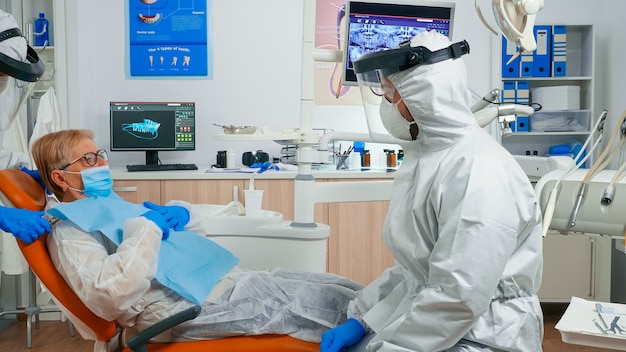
x=557, y=98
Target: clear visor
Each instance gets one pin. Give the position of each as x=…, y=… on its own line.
x=13, y=94
x=372, y=93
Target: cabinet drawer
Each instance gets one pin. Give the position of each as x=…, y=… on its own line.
x=138, y=191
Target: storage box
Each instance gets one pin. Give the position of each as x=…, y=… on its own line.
x=560, y=121
x=522, y=124
x=557, y=97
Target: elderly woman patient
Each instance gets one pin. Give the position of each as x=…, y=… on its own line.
x=115, y=257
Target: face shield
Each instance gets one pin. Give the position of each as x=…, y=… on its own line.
x=20, y=67
x=374, y=72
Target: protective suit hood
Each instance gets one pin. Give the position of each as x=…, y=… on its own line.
x=437, y=96
x=14, y=47
x=20, y=66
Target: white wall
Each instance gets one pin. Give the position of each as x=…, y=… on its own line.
x=257, y=68
x=257, y=73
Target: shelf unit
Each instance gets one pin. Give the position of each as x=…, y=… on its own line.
x=580, y=61
x=573, y=265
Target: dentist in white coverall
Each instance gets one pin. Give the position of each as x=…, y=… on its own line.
x=463, y=225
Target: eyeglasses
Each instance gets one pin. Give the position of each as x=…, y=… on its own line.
x=90, y=158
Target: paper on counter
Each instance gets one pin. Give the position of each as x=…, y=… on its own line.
x=245, y=170
x=577, y=324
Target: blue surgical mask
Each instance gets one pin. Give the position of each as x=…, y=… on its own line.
x=96, y=180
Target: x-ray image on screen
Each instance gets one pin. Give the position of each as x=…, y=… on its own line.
x=144, y=130
x=369, y=38
x=375, y=25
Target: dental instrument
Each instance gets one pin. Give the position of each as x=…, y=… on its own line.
x=549, y=209
x=599, y=165
x=609, y=192
x=609, y=310
x=615, y=328
x=599, y=311
x=602, y=330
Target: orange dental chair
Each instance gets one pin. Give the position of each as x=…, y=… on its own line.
x=24, y=192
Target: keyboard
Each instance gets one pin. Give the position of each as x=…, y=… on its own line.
x=161, y=167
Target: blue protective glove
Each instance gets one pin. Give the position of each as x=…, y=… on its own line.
x=344, y=335
x=24, y=224
x=160, y=221
x=264, y=166
x=176, y=216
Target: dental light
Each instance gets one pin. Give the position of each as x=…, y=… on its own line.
x=516, y=19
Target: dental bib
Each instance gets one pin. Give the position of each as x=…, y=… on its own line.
x=192, y=279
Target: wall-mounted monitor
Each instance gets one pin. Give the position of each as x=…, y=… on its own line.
x=152, y=127
x=374, y=25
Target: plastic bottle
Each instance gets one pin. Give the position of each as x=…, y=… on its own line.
x=382, y=158
x=355, y=160
x=41, y=31
x=230, y=159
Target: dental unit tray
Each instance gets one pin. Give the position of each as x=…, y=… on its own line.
x=269, y=239
x=582, y=324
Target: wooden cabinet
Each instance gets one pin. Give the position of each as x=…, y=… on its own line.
x=356, y=249
x=202, y=191
x=138, y=191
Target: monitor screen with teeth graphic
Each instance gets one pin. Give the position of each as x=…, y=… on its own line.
x=152, y=126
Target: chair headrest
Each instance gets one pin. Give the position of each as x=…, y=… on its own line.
x=22, y=190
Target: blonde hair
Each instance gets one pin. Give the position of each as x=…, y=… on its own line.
x=53, y=150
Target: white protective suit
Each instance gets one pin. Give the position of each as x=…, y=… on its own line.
x=116, y=283
x=15, y=48
x=464, y=227
x=11, y=260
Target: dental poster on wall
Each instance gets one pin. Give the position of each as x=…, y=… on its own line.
x=169, y=39
x=329, y=34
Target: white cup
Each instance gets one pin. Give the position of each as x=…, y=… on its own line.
x=253, y=199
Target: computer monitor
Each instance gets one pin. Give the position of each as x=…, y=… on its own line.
x=152, y=127
x=374, y=25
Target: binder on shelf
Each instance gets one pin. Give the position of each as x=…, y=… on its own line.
x=526, y=64
x=508, y=95
x=522, y=97
x=508, y=92
x=509, y=49
x=559, y=51
x=542, y=55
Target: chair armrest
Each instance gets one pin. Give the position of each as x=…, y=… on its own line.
x=138, y=343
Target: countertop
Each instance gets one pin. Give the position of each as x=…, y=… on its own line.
x=120, y=173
